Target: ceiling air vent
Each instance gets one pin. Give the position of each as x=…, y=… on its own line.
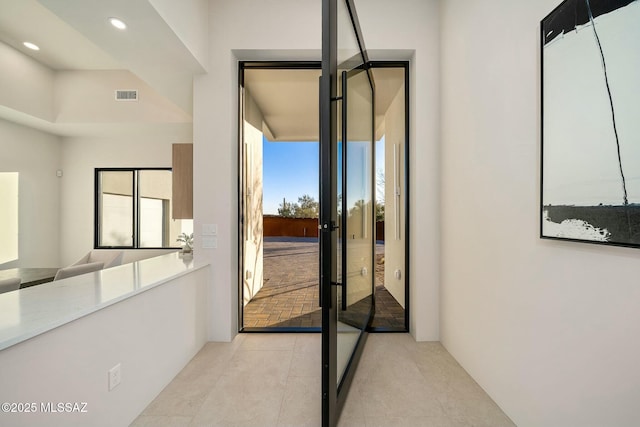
x=126, y=95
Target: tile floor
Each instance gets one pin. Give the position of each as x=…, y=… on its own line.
x=267, y=380
x=289, y=297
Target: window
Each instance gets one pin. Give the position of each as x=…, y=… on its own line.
x=8, y=216
x=133, y=210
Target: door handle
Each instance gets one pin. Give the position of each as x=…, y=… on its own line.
x=345, y=212
x=344, y=294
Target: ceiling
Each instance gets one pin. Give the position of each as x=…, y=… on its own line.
x=61, y=46
x=76, y=35
x=288, y=99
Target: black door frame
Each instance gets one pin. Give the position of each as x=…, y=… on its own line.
x=308, y=65
x=258, y=65
x=405, y=66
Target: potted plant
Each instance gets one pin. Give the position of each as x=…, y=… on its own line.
x=187, y=241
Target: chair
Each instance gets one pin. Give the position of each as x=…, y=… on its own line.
x=108, y=258
x=8, y=285
x=76, y=270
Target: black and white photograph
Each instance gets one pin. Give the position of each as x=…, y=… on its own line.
x=591, y=122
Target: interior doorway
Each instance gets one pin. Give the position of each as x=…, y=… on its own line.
x=278, y=197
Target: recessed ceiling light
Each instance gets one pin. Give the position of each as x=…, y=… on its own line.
x=31, y=46
x=118, y=23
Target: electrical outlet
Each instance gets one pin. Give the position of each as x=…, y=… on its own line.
x=115, y=377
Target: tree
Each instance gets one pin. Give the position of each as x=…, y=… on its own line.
x=306, y=207
x=379, y=211
x=380, y=187
x=286, y=209
x=358, y=208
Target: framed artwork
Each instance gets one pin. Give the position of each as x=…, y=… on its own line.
x=590, y=188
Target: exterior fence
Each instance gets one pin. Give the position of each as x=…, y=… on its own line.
x=278, y=226
x=380, y=231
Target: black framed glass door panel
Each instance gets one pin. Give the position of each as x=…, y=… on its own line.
x=349, y=54
x=346, y=211
x=355, y=210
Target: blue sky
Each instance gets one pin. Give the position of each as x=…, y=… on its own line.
x=290, y=169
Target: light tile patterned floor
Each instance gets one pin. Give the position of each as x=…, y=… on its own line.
x=267, y=380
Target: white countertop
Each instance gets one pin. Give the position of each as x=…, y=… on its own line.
x=28, y=312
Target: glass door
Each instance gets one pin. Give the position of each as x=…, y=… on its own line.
x=347, y=202
x=355, y=246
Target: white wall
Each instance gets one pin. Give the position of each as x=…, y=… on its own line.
x=153, y=335
x=293, y=32
x=189, y=20
x=26, y=85
x=9, y=194
x=80, y=157
x=395, y=225
x=410, y=30
x=291, y=24
x=89, y=97
x=547, y=328
x=36, y=156
x=252, y=191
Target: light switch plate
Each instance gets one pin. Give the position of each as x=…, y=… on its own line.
x=209, y=242
x=209, y=229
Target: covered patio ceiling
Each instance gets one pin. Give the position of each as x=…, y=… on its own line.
x=288, y=99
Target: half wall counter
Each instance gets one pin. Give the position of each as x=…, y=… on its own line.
x=59, y=341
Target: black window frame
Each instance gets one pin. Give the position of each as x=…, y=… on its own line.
x=136, y=208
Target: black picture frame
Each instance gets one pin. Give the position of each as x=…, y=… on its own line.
x=590, y=116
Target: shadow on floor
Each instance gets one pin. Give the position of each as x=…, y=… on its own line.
x=289, y=296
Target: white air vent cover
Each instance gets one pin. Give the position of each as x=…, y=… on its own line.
x=126, y=95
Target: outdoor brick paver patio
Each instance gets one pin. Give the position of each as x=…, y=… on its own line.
x=289, y=297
